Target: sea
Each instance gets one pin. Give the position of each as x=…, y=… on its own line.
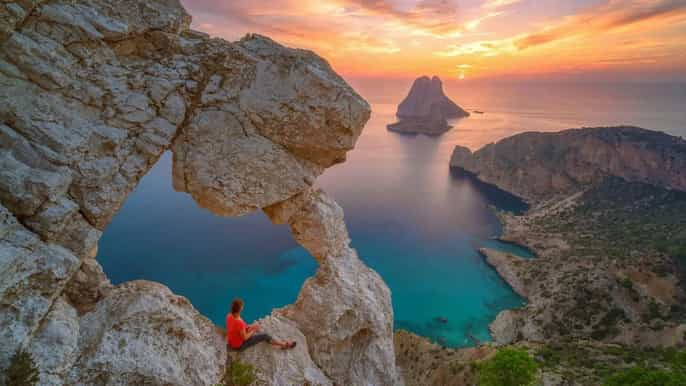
x=410, y=217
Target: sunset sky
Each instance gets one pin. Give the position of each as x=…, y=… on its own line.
x=471, y=39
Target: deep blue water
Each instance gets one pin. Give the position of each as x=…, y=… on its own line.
x=426, y=255
x=410, y=217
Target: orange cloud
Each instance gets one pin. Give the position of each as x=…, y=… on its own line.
x=402, y=38
x=615, y=15
x=481, y=48
x=438, y=18
x=499, y=3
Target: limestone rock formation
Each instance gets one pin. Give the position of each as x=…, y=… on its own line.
x=426, y=109
x=606, y=214
x=141, y=333
x=91, y=94
x=275, y=368
x=539, y=166
x=345, y=309
x=432, y=124
x=426, y=95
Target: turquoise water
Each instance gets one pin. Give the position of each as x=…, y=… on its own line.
x=511, y=248
x=432, y=267
x=410, y=217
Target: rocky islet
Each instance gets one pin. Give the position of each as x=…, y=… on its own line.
x=426, y=109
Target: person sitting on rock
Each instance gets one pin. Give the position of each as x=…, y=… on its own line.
x=240, y=336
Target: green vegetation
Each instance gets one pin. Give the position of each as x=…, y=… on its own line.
x=509, y=367
x=679, y=361
x=613, y=364
x=622, y=228
x=607, y=326
x=628, y=285
x=239, y=374
x=22, y=370
x=639, y=376
x=609, y=263
x=621, y=219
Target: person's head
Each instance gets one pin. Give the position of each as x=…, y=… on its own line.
x=237, y=306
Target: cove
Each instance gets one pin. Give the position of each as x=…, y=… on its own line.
x=409, y=217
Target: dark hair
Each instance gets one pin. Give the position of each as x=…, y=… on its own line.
x=236, y=305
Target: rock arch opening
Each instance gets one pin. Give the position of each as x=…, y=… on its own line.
x=163, y=236
x=92, y=94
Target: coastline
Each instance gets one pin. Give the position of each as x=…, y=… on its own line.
x=560, y=280
x=507, y=326
x=517, y=245
x=415, y=127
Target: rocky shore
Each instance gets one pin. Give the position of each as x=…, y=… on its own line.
x=586, y=292
x=541, y=166
x=605, y=291
x=424, y=363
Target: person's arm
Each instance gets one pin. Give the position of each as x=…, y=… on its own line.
x=246, y=333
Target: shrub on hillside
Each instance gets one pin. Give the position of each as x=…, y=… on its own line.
x=22, y=370
x=239, y=374
x=509, y=367
x=640, y=376
x=679, y=362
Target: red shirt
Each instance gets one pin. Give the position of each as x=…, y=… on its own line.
x=234, y=326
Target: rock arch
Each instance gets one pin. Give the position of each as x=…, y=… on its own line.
x=91, y=94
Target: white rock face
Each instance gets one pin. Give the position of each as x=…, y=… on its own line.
x=281, y=367
x=91, y=94
x=345, y=309
x=345, y=312
x=32, y=276
x=56, y=344
x=540, y=166
x=141, y=333
x=259, y=134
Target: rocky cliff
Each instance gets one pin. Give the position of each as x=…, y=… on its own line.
x=607, y=268
x=426, y=108
x=606, y=225
x=539, y=166
x=605, y=292
x=91, y=94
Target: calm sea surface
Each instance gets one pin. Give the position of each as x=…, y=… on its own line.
x=409, y=218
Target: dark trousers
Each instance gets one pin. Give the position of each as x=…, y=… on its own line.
x=253, y=340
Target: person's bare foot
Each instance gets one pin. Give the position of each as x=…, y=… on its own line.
x=289, y=345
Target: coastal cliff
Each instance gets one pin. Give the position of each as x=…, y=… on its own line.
x=91, y=94
x=606, y=226
x=608, y=267
x=540, y=166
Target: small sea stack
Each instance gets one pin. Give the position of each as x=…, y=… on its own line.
x=426, y=109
